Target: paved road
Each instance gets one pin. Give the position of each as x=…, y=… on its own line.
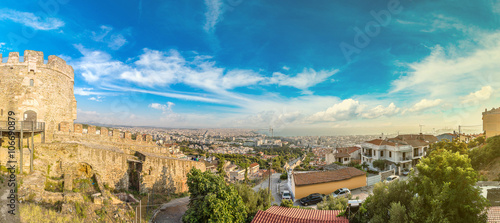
x=274, y=187
x=4, y=200
x=172, y=211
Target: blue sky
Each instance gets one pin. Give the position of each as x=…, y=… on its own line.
x=333, y=65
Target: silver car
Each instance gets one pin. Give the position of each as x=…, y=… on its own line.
x=342, y=192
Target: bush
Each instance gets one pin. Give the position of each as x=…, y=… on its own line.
x=284, y=176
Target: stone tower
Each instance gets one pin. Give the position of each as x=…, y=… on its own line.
x=491, y=122
x=37, y=90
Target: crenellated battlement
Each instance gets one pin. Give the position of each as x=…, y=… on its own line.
x=33, y=60
x=492, y=111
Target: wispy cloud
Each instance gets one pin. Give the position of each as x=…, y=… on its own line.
x=31, y=20
x=213, y=14
x=425, y=104
x=114, y=40
x=448, y=75
x=167, y=113
x=155, y=68
x=96, y=98
x=350, y=109
x=304, y=80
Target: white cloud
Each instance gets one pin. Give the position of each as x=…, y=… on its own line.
x=424, y=104
x=213, y=14
x=286, y=68
x=95, y=65
x=443, y=74
x=114, y=40
x=157, y=68
x=345, y=110
x=480, y=95
x=304, y=80
x=350, y=109
x=97, y=98
x=31, y=20
x=168, y=114
x=86, y=91
x=381, y=111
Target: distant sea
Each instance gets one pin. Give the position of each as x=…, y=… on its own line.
x=289, y=132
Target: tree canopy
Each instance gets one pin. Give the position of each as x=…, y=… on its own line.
x=212, y=200
x=443, y=190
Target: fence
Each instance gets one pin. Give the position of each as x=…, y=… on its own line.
x=371, y=180
x=26, y=126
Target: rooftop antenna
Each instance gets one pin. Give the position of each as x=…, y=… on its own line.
x=421, y=128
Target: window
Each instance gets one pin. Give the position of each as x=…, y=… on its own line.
x=390, y=154
x=1, y=112
x=32, y=82
x=381, y=153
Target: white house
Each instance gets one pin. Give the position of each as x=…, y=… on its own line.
x=343, y=155
x=405, y=150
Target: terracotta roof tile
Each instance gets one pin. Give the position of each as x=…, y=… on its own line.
x=253, y=165
x=348, y=149
x=277, y=214
x=380, y=142
x=326, y=176
x=494, y=214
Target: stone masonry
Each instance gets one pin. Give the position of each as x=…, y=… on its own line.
x=37, y=90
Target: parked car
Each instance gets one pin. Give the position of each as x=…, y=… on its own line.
x=342, y=192
x=392, y=178
x=311, y=199
x=286, y=195
x=405, y=172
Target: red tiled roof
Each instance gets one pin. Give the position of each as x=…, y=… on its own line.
x=326, y=176
x=342, y=155
x=494, y=214
x=348, y=149
x=253, y=165
x=380, y=142
x=277, y=214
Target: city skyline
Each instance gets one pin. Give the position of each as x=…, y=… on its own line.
x=386, y=66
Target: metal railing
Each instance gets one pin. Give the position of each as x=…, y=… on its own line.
x=405, y=158
x=367, y=154
x=25, y=125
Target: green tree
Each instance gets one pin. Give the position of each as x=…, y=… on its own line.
x=254, y=200
x=286, y=203
x=380, y=164
x=397, y=213
x=212, y=200
x=446, y=182
x=375, y=206
x=453, y=146
x=443, y=191
x=220, y=166
x=333, y=203
x=482, y=156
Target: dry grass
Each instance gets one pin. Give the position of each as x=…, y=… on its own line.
x=34, y=214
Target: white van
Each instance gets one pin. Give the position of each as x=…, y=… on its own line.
x=286, y=195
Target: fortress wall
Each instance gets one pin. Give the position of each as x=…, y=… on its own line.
x=51, y=95
x=167, y=174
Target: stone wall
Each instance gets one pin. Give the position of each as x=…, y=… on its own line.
x=112, y=164
x=32, y=85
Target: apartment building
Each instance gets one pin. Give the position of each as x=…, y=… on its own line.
x=403, y=151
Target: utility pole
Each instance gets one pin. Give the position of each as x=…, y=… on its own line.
x=269, y=188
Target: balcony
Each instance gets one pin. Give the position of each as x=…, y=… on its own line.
x=405, y=159
x=417, y=155
x=26, y=126
x=367, y=155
